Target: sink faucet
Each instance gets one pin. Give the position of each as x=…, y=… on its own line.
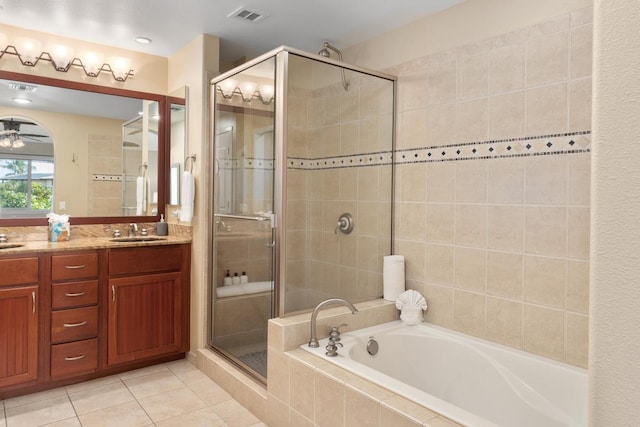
x=313, y=341
x=133, y=229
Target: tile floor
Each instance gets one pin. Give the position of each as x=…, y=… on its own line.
x=166, y=395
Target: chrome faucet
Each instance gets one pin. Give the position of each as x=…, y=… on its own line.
x=222, y=226
x=313, y=341
x=133, y=229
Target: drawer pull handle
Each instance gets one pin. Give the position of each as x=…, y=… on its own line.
x=113, y=293
x=71, y=359
x=33, y=302
x=75, y=294
x=75, y=325
x=74, y=267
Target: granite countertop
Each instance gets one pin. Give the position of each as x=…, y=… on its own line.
x=80, y=243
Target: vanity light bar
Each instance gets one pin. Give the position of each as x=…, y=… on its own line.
x=120, y=74
x=265, y=97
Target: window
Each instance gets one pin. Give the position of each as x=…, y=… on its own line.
x=26, y=187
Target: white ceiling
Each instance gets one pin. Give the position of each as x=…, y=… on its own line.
x=301, y=24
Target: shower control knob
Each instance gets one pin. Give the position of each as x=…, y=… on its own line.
x=345, y=223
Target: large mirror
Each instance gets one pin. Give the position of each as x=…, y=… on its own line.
x=96, y=153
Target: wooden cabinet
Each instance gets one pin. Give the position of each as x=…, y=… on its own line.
x=148, y=312
x=74, y=316
x=71, y=316
x=19, y=299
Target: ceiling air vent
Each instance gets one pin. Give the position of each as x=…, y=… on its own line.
x=21, y=87
x=246, y=15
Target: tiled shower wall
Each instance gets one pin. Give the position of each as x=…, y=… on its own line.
x=105, y=161
x=331, y=168
x=492, y=191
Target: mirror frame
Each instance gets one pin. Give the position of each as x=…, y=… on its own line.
x=163, y=147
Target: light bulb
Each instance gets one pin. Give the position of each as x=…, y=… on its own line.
x=92, y=62
x=18, y=143
x=29, y=50
x=266, y=93
x=227, y=87
x=5, y=142
x=61, y=56
x=121, y=67
x=248, y=89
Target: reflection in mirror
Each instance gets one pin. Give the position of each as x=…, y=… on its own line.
x=178, y=141
x=26, y=169
x=174, y=184
x=99, y=139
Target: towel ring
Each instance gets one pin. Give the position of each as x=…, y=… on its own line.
x=142, y=169
x=186, y=161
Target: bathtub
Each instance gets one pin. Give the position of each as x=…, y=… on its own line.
x=471, y=381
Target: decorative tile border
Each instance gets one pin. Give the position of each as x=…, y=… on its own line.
x=247, y=163
x=566, y=143
x=106, y=177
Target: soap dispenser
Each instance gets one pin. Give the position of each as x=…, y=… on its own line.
x=244, y=278
x=235, y=279
x=227, y=279
x=162, y=228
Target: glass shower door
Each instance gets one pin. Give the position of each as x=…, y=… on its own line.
x=243, y=220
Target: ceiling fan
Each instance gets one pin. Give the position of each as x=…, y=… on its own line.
x=11, y=137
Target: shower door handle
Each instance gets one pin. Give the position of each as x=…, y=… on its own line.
x=271, y=245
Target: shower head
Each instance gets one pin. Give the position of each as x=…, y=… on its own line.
x=325, y=53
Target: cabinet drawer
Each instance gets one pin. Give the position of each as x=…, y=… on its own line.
x=74, y=358
x=75, y=324
x=18, y=271
x=74, y=294
x=76, y=266
x=145, y=260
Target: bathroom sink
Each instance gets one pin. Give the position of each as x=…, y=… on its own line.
x=10, y=245
x=137, y=239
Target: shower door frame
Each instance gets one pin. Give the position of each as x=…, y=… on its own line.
x=281, y=55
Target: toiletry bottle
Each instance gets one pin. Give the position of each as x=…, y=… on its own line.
x=162, y=228
x=244, y=278
x=235, y=279
x=227, y=279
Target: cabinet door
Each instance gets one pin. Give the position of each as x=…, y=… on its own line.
x=18, y=335
x=145, y=316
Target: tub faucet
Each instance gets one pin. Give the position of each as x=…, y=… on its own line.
x=313, y=341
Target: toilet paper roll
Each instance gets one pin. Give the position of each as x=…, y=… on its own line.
x=393, y=277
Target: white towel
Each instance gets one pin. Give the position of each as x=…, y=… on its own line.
x=140, y=199
x=411, y=303
x=187, y=194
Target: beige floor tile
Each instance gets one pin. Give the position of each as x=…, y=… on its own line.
x=190, y=377
x=128, y=414
x=201, y=418
x=3, y=423
x=102, y=397
x=171, y=404
x=209, y=392
x=69, y=422
x=34, y=397
x=154, y=383
x=88, y=385
x=234, y=414
x=181, y=366
x=142, y=372
x=40, y=413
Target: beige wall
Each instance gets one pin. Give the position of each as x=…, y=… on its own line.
x=194, y=65
x=615, y=304
x=497, y=239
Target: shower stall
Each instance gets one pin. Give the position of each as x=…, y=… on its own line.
x=301, y=211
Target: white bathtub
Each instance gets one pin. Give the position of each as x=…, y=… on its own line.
x=471, y=381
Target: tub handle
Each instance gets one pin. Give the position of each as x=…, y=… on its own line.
x=335, y=332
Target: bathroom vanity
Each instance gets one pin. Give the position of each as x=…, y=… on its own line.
x=73, y=313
